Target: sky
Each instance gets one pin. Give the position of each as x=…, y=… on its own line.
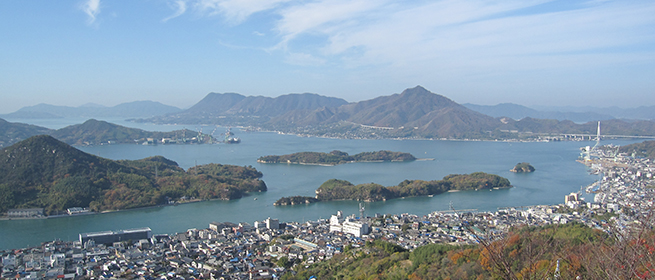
x=530, y=52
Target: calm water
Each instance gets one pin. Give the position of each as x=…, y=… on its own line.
x=557, y=174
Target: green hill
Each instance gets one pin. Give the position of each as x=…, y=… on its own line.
x=11, y=133
x=643, y=149
x=335, y=189
x=42, y=171
x=336, y=157
x=95, y=132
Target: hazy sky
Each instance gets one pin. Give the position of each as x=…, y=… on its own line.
x=599, y=53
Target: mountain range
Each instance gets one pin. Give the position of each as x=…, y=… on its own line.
x=136, y=109
x=414, y=113
x=518, y=112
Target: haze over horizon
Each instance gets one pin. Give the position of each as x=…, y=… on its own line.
x=537, y=52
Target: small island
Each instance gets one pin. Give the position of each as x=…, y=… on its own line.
x=293, y=200
x=522, y=167
x=335, y=189
x=336, y=157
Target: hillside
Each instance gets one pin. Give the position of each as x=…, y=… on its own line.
x=11, y=133
x=571, y=251
x=136, y=109
x=416, y=112
x=234, y=109
x=95, y=132
x=643, y=149
x=45, y=172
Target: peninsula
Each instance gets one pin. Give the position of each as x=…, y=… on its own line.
x=335, y=189
x=43, y=172
x=336, y=157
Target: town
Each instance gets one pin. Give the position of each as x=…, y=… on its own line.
x=268, y=249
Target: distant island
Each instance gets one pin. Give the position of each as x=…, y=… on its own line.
x=335, y=189
x=522, y=167
x=336, y=157
x=43, y=172
x=96, y=132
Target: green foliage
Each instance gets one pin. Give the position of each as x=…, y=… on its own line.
x=336, y=157
x=643, y=149
x=293, y=200
x=44, y=172
x=335, y=189
x=525, y=253
x=284, y=262
x=95, y=132
x=287, y=236
x=476, y=180
x=387, y=247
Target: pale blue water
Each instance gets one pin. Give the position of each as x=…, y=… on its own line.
x=557, y=174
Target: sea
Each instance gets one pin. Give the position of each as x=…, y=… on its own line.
x=557, y=174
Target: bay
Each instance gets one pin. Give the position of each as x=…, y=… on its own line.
x=557, y=174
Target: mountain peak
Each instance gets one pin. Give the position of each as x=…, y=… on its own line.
x=416, y=90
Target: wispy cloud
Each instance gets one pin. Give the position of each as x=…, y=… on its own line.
x=447, y=36
x=236, y=11
x=180, y=8
x=92, y=9
x=470, y=35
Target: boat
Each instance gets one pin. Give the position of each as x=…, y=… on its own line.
x=229, y=139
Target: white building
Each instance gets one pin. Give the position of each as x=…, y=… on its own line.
x=348, y=225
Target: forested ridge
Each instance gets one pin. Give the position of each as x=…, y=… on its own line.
x=643, y=149
x=42, y=171
x=335, y=189
x=336, y=157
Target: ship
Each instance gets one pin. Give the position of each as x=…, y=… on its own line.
x=229, y=139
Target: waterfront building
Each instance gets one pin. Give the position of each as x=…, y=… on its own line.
x=25, y=213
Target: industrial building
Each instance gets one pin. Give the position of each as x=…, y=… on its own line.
x=108, y=237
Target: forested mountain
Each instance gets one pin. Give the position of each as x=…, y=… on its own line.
x=95, y=132
x=45, y=172
x=11, y=133
x=136, y=109
x=235, y=109
x=643, y=149
x=414, y=113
